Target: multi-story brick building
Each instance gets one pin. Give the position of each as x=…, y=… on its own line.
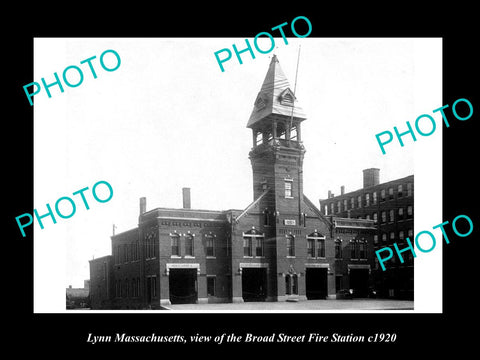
x=390, y=206
x=279, y=247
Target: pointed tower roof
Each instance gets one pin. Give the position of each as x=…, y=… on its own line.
x=275, y=96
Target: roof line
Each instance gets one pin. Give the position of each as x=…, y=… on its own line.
x=316, y=210
x=251, y=205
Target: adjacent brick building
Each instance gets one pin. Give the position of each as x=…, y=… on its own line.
x=390, y=205
x=279, y=247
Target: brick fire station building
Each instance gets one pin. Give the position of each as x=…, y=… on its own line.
x=279, y=247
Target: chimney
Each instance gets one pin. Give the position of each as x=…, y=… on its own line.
x=329, y=194
x=371, y=177
x=143, y=205
x=186, y=198
x=342, y=189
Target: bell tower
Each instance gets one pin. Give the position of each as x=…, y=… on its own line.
x=277, y=152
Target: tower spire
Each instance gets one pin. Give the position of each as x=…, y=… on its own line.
x=275, y=97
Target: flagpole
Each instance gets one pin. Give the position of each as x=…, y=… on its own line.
x=295, y=88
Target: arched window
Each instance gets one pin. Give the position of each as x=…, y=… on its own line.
x=288, y=284
x=175, y=240
x=294, y=284
x=291, y=284
x=338, y=249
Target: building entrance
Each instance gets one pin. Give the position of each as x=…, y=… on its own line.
x=316, y=283
x=183, y=286
x=359, y=282
x=254, y=284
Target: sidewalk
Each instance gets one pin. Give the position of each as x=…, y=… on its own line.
x=308, y=305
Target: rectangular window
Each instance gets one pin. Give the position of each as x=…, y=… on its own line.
x=332, y=210
x=410, y=234
x=363, y=250
x=266, y=217
x=211, y=285
x=390, y=193
x=409, y=211
x=374, y=198
x=400, y=190
x=352, y=203
x=326, y=209
x=210, y=244
x=392, y=236
x=392, y=215
x=382, y=195
x=290, y=245
x=353, y=252
x=367, y=199
x=359, y=201
x=247, y=246
x=259, y=247
x=345, y=205
x=401, y=235
x=384, y=237
x=189, y=245
x=321, y=248
x=400, y=213
x=339, y=206
x=409, y=189
x=375, y=217
x=311, y=247
x=288, y=189
x=375, y=239
x=150, y=245
x=175, y=240
x=384, y=216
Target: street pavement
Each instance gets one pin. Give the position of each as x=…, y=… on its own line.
x=307, y=305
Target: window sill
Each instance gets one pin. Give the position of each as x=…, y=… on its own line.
x=211, y=257
x=175, y=257
x=291, y=257
x=189, y=257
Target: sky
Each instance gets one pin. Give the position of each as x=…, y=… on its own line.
x=169, y=118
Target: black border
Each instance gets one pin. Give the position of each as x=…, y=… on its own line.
x=53, y=332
